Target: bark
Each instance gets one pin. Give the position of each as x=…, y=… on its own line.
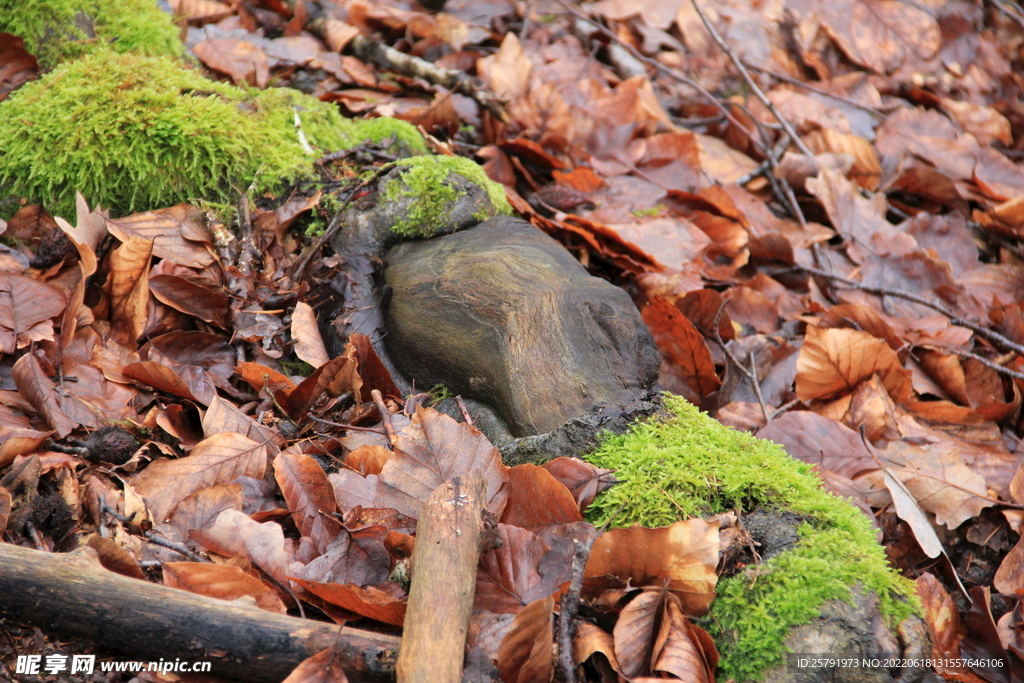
x=448, y=537
x=74, y=596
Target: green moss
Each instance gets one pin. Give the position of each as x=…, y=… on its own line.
x=427, y=179
x=134, y=133
x=691, y=465
x=406, y=138
x=58, y=30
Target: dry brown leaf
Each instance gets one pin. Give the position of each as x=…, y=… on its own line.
x=207, y=303
x=221, y=581
x=219, y=459
x=834, y=361
x=684, y=554
x=535, y=498
x=5, y=508
x=525, y=654
x=200, y=509
x=589, y=640
x=506, y=72
x=178, y=233
x=323, y=667
x=636, y=630
x=309, y=496
x=431, y=450
x=42, y=393
x=26, y=309
x=357, y=557
x=525, y=568
x=15, y=441
x=385, y=603
x=223, y=416
x=683, y=649
x=161, y=378
x=686, y=367
x=128, y=284
x=583, y=480
x=235, y=533
x=309, y=345
x=368, y=459
x=115, y=558
x=200, y=11
x=243, y=61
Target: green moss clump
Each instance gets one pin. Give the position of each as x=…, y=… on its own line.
x=134, y=133
x=407, y=140
x=60, y=30
x=691, y=465
x=427, y=179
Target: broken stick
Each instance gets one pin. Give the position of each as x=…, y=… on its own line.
x=443, y=582
x=74, y=596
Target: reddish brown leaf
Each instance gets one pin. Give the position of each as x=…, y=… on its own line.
x=26, y=307
x=385, y=603
x=833, y=361
x=204, y=302
x=525, y=568
x=42, y=393
x=115, y=558
x=178, y=233
x=160, y=377
x=129, y=289
x=235, y=533
x=525, y=654
x=243, y=61
x=309, y=496
x=200, y=509
x=5, y=508
x=219, y=459
x=17, y=66
x=323, y=667
x=636, y=630
x=686, y=366
x=431, y=450
x=15, y=441
x=535, y=497
x=367, y=459
x=583, y=480
x=221, y=581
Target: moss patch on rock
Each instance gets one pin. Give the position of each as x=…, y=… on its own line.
x=427, y=179
x=688, y=464
x=59, y=30
x=133, y=133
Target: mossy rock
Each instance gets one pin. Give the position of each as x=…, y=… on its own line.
x=134, y=132
x=688, y=464
x=56, y=31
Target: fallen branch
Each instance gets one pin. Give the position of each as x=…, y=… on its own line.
x=74, y=596
x=443, y=581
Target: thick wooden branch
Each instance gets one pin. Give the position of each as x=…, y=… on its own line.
x=74, y=596
x=443, y=582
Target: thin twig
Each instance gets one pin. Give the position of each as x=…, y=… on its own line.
x=342, y=425
x=749, y=374
x=571, y=601
x=1002, y=370
x=668, y=71
x=176, y=547
x=1003, y=9
x=385, y=416
x=808, y=86
x=785, y=407
x=757, y=388
x=954, y=319
x=462, y=409
x=750, y=81
x=335, y=223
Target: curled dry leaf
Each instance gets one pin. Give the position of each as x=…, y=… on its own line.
x=525, y=655
x=221, y=581
x=200, y=509
x=42, y=393
x=15, y=441
x=683, y=556
x=219, y=459
x=203, y=301
x=128, y=284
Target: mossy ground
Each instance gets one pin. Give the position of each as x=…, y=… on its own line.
x=134, y=133
x=691, y=465
x=59, y=30
x=426, y=178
